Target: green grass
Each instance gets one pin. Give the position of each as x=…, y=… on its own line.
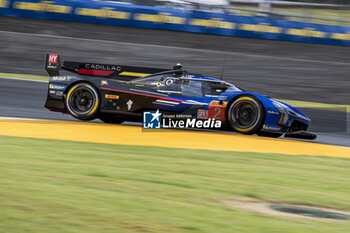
x=57, y=186
x=307, y=104
x=25, y=76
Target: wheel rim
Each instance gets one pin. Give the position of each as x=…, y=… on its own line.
x=245, y=114
x=82, y=100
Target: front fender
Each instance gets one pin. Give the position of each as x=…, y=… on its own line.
x=272, y=113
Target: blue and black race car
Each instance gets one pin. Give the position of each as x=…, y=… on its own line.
x=117, y=93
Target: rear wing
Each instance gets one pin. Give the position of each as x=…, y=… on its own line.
x=53, y=66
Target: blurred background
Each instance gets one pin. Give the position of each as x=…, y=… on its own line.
x=332, y=12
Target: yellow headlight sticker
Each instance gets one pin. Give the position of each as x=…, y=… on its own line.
x=108, y=96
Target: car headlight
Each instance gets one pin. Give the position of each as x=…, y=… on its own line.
x=284, y=115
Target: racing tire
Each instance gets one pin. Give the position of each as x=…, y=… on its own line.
x=269, y=134
x=83, y=101
x=111, y=119
x=246, y=115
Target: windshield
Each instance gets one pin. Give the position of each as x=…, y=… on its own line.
x=222, y=86
x=233, y=88
x=191, y=84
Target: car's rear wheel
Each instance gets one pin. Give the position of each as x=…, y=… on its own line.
x=83, y=101
x=246, y=115
x=111, y=119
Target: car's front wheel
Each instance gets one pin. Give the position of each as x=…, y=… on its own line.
x=83, y=101
x=246, y=115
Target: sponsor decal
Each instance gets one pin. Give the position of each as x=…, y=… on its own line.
x=162, y=17
x=104, y=82
x=151, y=120
x=308, y=32
x=108, y=96
x=340, y=36
x=202, y=114
x=272, y=128
x=61, y=78
x=59, y=93
x=129, y=104
x=217, y=110
x=222, y=97
x=104, y=12
x=56, y=93
x=103, y=67
x=57, y=87
x=169, y=82
x=216, y=103
x=273, y=112
x=157, y=120
x=4, y=3
x=261, y=27
x=43, y=6
x=213, y=23
x=53, y=58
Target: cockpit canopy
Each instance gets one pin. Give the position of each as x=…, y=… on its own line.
x=180, y=82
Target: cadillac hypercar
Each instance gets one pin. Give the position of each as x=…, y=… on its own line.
x=118, y=93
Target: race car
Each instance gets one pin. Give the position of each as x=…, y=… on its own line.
x=118, y=93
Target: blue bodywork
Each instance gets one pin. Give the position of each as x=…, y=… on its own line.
x=279, y=116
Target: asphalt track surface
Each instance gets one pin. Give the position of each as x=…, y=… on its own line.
x=279, y=69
